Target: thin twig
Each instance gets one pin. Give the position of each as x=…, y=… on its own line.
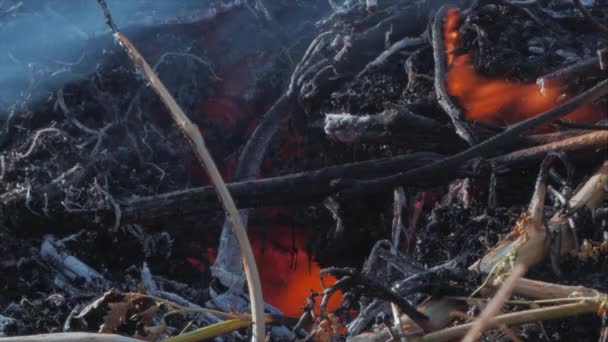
x=587, y=68
x=590, y=16
x=494, y=306
x=115, y=207
x=455, y=114
x=597, y=139
x=377, y=289
x=193, y=134
x=581, y=125
x=37, y=137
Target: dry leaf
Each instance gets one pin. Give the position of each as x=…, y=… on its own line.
x=100, y=303
x=152, y=333
x=115, y=317
x=146, y=315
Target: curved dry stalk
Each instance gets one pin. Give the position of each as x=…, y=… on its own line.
x=496, y=304
x=517, y=318
x=37, y=138
x=70, y=337
x=195, y=138
x=215, y=330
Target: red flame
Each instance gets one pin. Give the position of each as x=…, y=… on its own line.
x=495, y=100
x=287, y=272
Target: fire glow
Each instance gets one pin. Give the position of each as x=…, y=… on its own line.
x=287, y=271
x=497, y=101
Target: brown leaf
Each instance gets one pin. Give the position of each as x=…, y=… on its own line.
x=146, y=315
x=152, y=333
x=100, y=303
x=115, y=317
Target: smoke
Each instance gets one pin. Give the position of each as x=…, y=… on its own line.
x=46, y=43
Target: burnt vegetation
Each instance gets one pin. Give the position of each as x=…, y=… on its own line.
x=429, y=170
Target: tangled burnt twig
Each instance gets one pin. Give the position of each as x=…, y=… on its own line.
x=375, y=289
x=455, y=114
x=195, y=138
x=37, y=138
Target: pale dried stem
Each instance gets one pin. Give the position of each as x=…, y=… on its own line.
x=493, y=308
x=193, y=134
x=37, y=138
x=70, y=337
x=516, y=318
x=195, y=137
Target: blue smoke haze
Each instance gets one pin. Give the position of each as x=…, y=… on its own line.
x=45, y=43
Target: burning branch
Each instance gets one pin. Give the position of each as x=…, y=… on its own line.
x=581, y=142
x=441, y=167
x=455, y=114
x=584, y=69
x=195, y=138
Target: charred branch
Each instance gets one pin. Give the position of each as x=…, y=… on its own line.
x=294, y=189
x=444, y=99
x=304, y=187
x=583, y=142
x=589, y=68
x=444, y=167
x=579, y=125
x=314, y=186
x=590, y=16
x=398, y=126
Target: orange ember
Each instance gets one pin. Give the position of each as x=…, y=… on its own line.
x=494, y=100
x=286, y=271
